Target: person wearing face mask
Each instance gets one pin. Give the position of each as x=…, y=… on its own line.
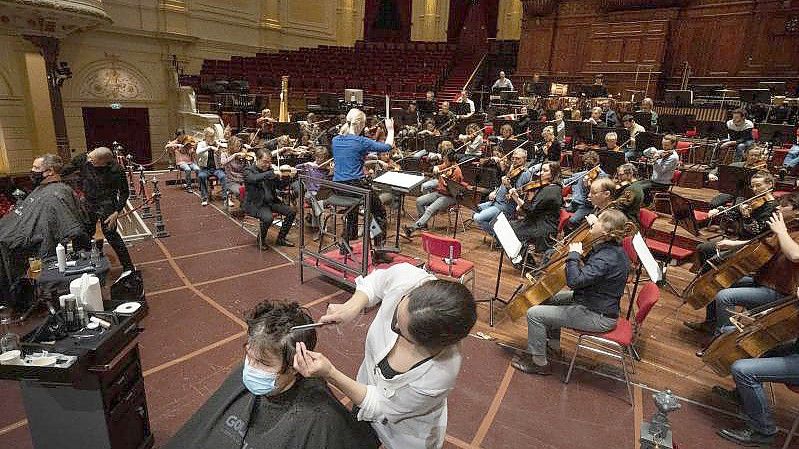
x=49, y=215
x=597, y=283
x=412, y=355
x=266, y=403
x=105, y=187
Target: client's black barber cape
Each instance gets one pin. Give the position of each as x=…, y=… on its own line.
x=306, y=416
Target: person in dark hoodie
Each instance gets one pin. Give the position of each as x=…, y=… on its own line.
x=265, y=403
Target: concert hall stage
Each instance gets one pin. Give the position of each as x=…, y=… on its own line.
x=200, y=280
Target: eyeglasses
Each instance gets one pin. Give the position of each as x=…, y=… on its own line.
x=395, y=320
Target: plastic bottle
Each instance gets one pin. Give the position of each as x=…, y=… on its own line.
x=95, y=254
x=61, y=255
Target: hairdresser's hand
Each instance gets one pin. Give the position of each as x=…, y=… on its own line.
x=309, y=363
x=341, y=313
x=389, y=125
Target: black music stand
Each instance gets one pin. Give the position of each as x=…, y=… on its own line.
x=679, y=98
x=644, y=119
x=426, y=107
x=508, y=240
x=776, y=134
x=735, y=180
x=579, y=131
x=709, y=129
x=755, y=96
x=464, y=196
x=646, y=140
x=459, y=108
x=611, y=160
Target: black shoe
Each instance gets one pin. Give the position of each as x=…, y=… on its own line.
x=783, y=171
x=409, y=231
x=284, y=242
x=726, y=395
x=747, y=437
x=525, y=364
x=699, y=326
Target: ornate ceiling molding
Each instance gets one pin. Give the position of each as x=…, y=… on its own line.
x=52, y=18
x=538, y=8
x=624, y=5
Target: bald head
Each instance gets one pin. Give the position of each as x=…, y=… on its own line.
x=100, y=156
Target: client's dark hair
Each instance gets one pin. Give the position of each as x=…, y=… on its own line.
x=269, y=330
x=440, y=313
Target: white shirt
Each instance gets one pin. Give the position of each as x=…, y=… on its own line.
x=500, y=83
x=473, y=147
x=410, y=410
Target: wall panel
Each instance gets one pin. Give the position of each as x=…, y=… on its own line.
x=734, y=42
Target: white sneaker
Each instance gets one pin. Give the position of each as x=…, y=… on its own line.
x=204, y=203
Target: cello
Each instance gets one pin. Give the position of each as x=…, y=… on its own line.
x=765, y=330
x=749, y=258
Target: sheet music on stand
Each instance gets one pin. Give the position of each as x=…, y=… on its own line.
x=400, y=181
x=507, y=238
x=647, y=259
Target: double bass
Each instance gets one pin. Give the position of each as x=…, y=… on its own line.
x=763, y=331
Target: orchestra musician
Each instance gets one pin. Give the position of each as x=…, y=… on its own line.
x=506, y=133
x=646, y=106
x=580, y=204
x=664, y=163
x=739, y=133
x=499, y=201
x=629, y=191
x=376, y=167
x=780, y=365
x=429, y=129
x=375, y=130
x=754, y=160
x=609, y=115
x=464, y=98
x=262, y=182
x=445, y=117
x=540, y=209
x=552, y=146
x=611, y=142
x=502, y=82
x=527, y=116
x=560, y=126
x=596, y=118
x=634, y=128
x=778, y=277
x=439, y=200
x=791, y=160
x=412, y=116
x=473, y=139
x=185, y=148
x=235, y=158
x=599, y=85
x=208, y=158
x=321, y=168
x=751, y=221
x=597, y=283
x=266, y=125
x=349, y=149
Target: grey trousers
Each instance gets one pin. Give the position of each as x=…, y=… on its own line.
x=430, y=204
x=545, y=321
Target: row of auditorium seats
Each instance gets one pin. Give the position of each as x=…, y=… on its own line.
x=399, y=69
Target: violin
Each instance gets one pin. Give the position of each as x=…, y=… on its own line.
x=534, y=185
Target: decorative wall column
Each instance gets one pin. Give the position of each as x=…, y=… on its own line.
x=349, y=26
x=48, y=48
x=429, y=20
x=509, y=20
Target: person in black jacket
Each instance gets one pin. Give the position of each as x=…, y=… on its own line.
x=597, y=282
x=541, y=211
x=105, y=187
x=261, y=199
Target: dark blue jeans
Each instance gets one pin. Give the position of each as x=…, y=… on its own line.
x=749, y=375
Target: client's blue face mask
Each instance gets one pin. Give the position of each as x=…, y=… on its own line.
x=259, y=383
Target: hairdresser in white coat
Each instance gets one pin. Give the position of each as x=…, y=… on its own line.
x=412, y=355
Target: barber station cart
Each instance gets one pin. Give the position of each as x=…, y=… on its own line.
x=93, y=397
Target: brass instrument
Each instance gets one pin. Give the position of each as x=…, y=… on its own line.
x=283, y=117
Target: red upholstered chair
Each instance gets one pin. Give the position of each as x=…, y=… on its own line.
x=443, y=258
x=646, y=217
x=618, y=343
x=564, y=218
x=566, y=191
